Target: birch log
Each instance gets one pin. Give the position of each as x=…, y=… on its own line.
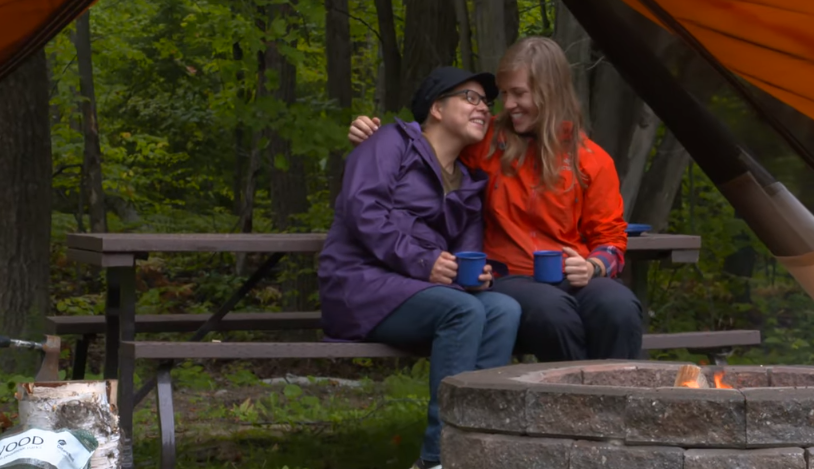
x=86, y=405
x=691, y=376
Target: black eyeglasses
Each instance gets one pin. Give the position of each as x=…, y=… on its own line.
x=472, y=97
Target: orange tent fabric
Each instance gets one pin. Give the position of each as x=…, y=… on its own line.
x=767, y=42
x=770, y=43
x=26, y=25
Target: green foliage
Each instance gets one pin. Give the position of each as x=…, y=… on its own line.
x=191, y=376
x=709, y=296
x=318, y=425
x=170, y=90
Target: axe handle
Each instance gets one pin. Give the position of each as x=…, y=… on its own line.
x=7, y=342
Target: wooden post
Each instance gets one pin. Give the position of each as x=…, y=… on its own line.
x=86, y=405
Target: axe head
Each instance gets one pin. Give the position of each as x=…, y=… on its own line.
x=49, y=369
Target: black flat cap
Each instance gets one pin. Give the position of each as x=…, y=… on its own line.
x=444, y=79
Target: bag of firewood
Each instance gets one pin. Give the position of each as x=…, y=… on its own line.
x=34, y=448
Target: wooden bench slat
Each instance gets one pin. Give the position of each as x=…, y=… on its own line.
x=250, y=350
x=66, y=325
x=709, y=339
x=63, y=325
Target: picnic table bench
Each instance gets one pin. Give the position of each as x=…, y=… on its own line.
x=117, y=254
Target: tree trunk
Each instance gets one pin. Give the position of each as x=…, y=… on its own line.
x=379, y=92
x=577, y=46
x=240, y=129
x=465, y=31
x=392, y=56
x=92, y=167
x=658, y=190
x=340, y=86
x=544, y=15
x=288, y=182
x=25, y=207
x=615, y=109
x=663, y=180
x=252, y=168
x=289, y=194
x=622, y=124
x=490, y=31
x=511, y=21
x=642, y=139
x=430, y=41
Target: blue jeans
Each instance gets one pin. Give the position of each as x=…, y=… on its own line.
x=467, y=331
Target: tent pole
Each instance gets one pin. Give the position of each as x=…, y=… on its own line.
x=774, y=214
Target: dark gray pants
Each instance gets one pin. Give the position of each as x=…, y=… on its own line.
x=561, y=323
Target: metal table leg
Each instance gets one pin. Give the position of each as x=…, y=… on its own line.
x=636, y=278
x=120, y=318
x=80, y=360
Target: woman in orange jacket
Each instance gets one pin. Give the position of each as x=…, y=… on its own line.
x=551, y=188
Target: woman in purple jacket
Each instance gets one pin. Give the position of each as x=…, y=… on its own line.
x=387, y=270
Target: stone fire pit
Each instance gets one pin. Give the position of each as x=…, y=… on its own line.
x=627, y=414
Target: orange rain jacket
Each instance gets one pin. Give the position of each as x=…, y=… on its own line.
x=520, y=218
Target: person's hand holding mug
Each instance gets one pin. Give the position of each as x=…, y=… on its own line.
x=578, y=271
x=362, y=128
x=485, y=278
x=444, y=270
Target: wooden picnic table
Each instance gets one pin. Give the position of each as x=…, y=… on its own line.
x=117, y=254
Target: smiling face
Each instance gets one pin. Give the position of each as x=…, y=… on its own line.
x=518, y=100
x=463, y=112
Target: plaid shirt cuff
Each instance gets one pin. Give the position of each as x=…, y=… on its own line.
x=612, y=257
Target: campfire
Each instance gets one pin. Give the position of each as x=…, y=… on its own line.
x=630, y=414
x=691, y=376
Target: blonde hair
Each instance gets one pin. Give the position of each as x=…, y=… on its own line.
x=559, y=125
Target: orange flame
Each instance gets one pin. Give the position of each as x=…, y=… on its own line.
x=718, y=377
x=719, y=381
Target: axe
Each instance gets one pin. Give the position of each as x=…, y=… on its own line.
x=49, y=369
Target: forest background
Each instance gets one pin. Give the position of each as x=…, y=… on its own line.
x=169, y=116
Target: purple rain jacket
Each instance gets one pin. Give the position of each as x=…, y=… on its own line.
x=391, y=222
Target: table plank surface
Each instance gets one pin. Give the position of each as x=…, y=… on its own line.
x=196, y=242
x=286, y=242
